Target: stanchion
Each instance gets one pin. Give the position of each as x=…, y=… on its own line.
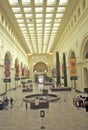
x=42, y=115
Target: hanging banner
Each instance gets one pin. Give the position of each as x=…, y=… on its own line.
x=7, y=68
x=17, y=70
x=73, y=71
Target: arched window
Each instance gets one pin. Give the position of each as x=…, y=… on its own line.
x=40, y=67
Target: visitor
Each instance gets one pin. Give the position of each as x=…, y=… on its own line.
x=11, y=102
x=86, y=103
x=37, y=102
x=6, y=103
x=81, y=101
x=26, y=105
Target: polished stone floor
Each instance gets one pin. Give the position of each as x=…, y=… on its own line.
x=61, y=115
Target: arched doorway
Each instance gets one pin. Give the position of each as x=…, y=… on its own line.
x=40, y=67
x=40, y=71
x=85, y=63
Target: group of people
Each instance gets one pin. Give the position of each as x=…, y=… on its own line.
x=81, y=101
x=7, y=102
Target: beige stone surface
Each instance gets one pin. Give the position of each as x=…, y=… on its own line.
x=60, y=115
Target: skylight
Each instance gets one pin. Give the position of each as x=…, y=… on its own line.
x=39, y=21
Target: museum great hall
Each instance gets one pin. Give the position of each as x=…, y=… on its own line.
x=44, y=46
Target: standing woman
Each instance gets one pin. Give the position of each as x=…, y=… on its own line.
x=26, y=105
x=11, y=102
x=86, y=103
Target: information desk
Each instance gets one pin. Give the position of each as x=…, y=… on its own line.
x=61, y=88
x=42, y=104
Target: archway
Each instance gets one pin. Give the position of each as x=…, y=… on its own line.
x=40, y=70
x=84, y=57
x=40, y=67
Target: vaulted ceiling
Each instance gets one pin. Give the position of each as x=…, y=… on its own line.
x=38, y=23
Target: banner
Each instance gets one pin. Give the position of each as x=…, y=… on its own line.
x=73, y=70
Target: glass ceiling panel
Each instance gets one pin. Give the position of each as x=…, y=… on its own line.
x=32, y=31
x=54, y=28
x=28, y=15
x=18, y=15
x=58, y=20
x=38, y=2
x=39, y=15
x=31, y=28
x=61, y=9
x=39, y=32
x=29, y=20
x=54, y=31
x=39, y=25
x=39, y=29
x=47, y=25
x=20, y=20
x=49, y=15
x=21, y=25
x=39, y=21
x=47, y=29
x=63, y=2
x=30, y=25
x=56, y=24
x=23, y=29
x=49, y=9
x=59, y=15
x=16, y=9
x=27, y=9
x=38, y=9
x=25, y=2
x=51, y=2
x=48, y=20
x=13, y=2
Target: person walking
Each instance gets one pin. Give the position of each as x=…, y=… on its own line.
x=11, y=102
x=26, y=105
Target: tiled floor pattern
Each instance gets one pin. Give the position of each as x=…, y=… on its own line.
x=60, y=115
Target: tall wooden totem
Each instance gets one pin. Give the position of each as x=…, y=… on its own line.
x=58, y=82
x=65, y=70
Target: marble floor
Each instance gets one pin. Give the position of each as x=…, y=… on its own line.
x=61, y=115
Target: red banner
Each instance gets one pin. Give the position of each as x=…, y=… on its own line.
x=73, y=72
